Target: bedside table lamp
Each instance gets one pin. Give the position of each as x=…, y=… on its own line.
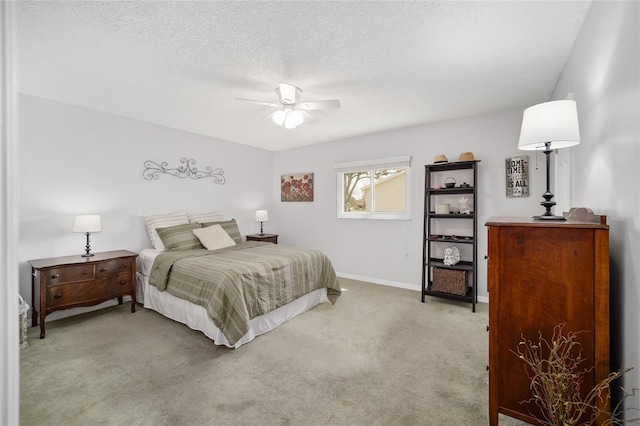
x=261, y=216
x=548, y=126
x=87, y=223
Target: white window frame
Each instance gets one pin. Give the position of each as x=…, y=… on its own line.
x=370, y=166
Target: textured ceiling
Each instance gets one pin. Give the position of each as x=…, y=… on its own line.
x=391, y=64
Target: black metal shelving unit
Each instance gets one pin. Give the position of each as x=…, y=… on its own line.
x=431, y=239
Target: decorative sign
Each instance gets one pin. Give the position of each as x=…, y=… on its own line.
x=517, y=176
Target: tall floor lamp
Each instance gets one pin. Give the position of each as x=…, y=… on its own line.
x=545, y=127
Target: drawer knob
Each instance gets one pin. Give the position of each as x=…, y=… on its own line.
x=103, y=270
x=84, y=272
x=58, y=295
x=55, y=276
x=123, y=282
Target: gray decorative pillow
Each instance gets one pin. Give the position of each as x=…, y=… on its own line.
x=180, y=237
x=156, y=221
x=230, y=227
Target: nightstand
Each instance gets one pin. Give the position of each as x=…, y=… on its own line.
x=72, y=281
x=267, y=238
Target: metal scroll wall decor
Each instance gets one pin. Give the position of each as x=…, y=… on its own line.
x=188, y=169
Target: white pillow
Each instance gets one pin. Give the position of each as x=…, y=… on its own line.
x=214, y=237
x=163, y=221
x=205, y=217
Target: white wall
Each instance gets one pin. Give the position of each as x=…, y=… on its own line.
x=74, y=161
x=390, y=252
x=603, y=72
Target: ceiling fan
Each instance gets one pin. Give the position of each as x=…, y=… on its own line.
x=291, y=113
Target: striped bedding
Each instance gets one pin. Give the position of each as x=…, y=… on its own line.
x=238, y=283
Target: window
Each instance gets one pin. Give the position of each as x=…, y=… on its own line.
x=374, y=189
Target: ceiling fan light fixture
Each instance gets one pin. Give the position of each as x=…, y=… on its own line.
x=290, y=122
x=279, y=117
x=294, y=119
x=290, y=116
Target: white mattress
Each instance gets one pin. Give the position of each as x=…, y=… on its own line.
x=196, y=317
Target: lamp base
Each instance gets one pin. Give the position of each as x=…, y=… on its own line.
x=548, y=202
x=87, y=249
x=549, y=217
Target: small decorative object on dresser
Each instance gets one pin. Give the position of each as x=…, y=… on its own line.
x=267, y=238
x=72, y=281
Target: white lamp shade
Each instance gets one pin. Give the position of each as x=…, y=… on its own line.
x=555, y=122
x=293, y=120
x=87, y=223
x=279, y=117
x=262, y=216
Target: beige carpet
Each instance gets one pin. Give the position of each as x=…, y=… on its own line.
x=378, y=357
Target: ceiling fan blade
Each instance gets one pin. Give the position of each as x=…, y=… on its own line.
x=311, y=114
x=288, y=93
x=320, y=104
x=258, y=102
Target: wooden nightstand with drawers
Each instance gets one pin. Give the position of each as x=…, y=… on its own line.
x=267, y=238
x=72, y=281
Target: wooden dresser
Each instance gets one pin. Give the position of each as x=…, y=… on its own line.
x=541, y=274
x=72, y=281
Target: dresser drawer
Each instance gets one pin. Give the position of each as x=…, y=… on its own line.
x=83, y=292
x=113, y=267
x=66, y=274
x=117, y=285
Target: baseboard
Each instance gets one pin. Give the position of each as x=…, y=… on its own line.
x=481, y=299
x=380, y=282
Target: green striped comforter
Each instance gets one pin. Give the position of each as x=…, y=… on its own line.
x=238, y=283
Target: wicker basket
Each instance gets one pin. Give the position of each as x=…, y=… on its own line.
x=450, y=281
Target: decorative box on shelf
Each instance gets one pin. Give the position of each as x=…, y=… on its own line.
x=450, y=281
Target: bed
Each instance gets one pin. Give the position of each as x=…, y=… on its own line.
x=231, y=293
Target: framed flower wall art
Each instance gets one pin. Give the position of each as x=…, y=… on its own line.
x=296, y=187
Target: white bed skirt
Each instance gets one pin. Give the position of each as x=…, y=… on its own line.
x=196, y=317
